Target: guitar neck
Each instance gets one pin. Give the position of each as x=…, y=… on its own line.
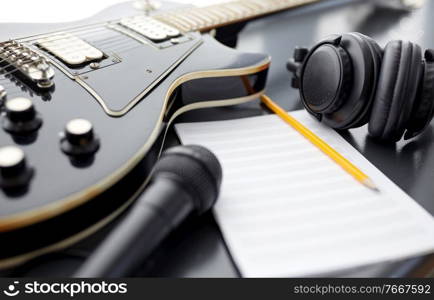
x=214, y=16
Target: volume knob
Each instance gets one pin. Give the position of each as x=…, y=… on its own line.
x=79, y=138
x=14, y=171
x=21, y=116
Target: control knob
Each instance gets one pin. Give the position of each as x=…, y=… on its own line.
x=79, y=138
x=14, y=171
x=21, y=116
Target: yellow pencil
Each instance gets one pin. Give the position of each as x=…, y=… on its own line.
x=318, y=142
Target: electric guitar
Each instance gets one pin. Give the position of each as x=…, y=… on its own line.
x=83, y=103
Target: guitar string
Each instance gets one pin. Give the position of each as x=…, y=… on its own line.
x=77, y=33
x=3, y=68
x=94, y=44
x=90, y=28
x=82, y=37
x=118, y=38
x=86, y=37
x=123, y=40
x=115, y=40
x=81, y=31
x=72, y=32
x=113, y=50
x=13, y=71
x=15, y=89
x=1, y=59
x=109, y=40
x=123, y=48
x=34, y=42
x=84, y=33
x=18, y=87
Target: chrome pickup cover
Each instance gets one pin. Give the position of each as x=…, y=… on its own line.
x=150, y=28
x=20, y=58
x=70, y=49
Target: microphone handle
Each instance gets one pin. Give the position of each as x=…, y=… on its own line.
x=160, y=209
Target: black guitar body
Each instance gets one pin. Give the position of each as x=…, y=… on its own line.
x=128, y=96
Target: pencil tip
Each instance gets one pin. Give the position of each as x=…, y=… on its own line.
x=370, y=184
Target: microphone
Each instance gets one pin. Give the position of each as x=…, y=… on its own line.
x=185, y=181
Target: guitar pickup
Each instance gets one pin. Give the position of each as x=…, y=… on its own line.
x=70, y=49
x=150, y=28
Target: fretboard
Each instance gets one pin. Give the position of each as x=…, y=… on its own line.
x=214, y=16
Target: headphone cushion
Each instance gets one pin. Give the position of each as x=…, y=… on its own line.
x=373, y=44
x=396, y=92
x=424, y=107
x=377, y=55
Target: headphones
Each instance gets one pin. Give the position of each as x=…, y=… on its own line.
x=347, y=81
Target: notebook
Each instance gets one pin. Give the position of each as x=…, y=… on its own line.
x=288, y=210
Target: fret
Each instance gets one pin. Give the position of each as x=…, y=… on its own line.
x=254, y=7
x=226, y=15
x=239, y=9
x=213, y=17
x=205, y=11
x=263, y=6
x=173, y=21
x=199, y=22
x=183, y=21
x=187, y=20
x=221, y=15
x=205, y=22
x=206, y=18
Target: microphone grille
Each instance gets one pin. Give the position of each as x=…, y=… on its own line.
x=197, y=170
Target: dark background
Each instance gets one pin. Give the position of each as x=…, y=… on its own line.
x=197, y=248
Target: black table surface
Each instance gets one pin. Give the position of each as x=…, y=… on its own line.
x=197, y=249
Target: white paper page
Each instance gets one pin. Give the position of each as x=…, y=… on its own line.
x=286, y=209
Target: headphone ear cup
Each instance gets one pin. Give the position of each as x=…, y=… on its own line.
x=423, y=111
x=365, y=58
x=397, y=87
